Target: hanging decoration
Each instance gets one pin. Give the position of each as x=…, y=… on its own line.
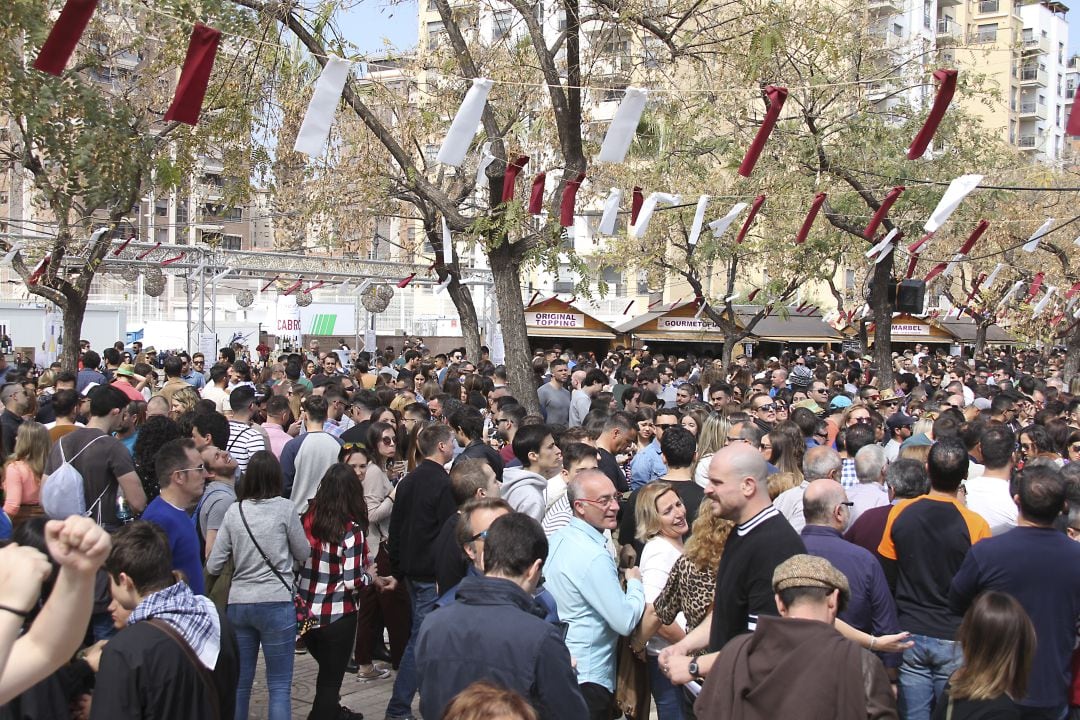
x=804, y=231
x=620, y=132
x=776, y=97
x=130, y=273
x=946, y=88
x=720, y=225
x=699, y=218
x=754, y=207
x=885, y=247
x=447, y=244
x=153, y=282
x=195, y=76
x=486, y=158
x=377, y=298
x=883, y=211
x=536, y=194
x=569, y=197
x=611, y=212
x=404, y=282
x=64, y=36
x=1033, y=242
x=315, y=128
x=303, y=299
x=245, y=298
x=1041, y=305
x=637, y=199
x=647, y=210
x=510, y=176
x=958, y=189
x=989, y=282
x=1036, y=283
x=466, y=121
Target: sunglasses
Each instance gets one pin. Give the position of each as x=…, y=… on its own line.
x=665, y=426
x=767, y=408
x=388, y=441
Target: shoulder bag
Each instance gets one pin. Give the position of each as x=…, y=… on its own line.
x=305, y=622
x=203, y=672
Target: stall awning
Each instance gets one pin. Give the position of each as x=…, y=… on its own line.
x=555, y=318
x=964, y=330
x=570, y=333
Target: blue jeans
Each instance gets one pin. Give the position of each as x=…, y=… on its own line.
x=668, y=697
x=926, y=668
x=422, y=600
x=273, y=625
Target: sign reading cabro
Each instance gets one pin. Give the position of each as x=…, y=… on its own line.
x=555, y=319
x=686, y=324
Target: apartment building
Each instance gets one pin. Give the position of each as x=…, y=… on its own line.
x=1021, y=49
x=1072, y=87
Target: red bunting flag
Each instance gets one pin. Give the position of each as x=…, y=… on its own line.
x=946, y=88
x=880, y=214
x=776, y=97
x=1036, y=283
x=170, y=261
x=754, y=207
x=144, y=253
x=536, y=195
x=911, y=265
x=406, y=280
x=819, y=200
x=293, y=288
x=1072, y=291
x=39, y=270
x=123, y=246
x=510, y=176
x=191, y=89
x=753, y=294
x=272, y=281
x=64, y=36
x=974, y=237
x=914, y=247
x=533, y=299
x=637, y=200
x=935, y=272
x=569, y=196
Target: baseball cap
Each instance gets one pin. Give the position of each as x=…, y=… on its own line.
x=899, y=420
x=839, y=402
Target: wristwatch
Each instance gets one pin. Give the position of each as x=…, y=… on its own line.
x=695, y=672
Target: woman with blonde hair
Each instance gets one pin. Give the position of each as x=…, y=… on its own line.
x=661, y=524
x=998, y=643
x=23, y=473
x=183, y=400
x=484, y=701
x=694, y=418
x=710, y=439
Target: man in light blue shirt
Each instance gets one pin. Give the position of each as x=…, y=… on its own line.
x=648, y=463
x=581, y=575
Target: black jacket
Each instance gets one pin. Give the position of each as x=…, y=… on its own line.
x=422, y=504
x=496, y=632
x=482, y=451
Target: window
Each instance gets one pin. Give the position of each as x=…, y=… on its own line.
x=987, y=33
x=181, y=213
x=435, y=30
x=230, y=242
x=927, y=12
x=161, y=210
x=234, y=214
x=988, y=6
x=898, y=30
x=502, y=21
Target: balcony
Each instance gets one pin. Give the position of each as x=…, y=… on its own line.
x=1032, y=76
x=1032, y=109
x=948, y=28
x=989, y=7
x=1028, y=142
x=885, y=7
x=1035, y=45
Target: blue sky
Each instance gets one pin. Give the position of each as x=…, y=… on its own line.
x=369, y=21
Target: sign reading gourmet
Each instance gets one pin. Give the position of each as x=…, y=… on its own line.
x=910, y=329
x=686, y=324
x=555, y=319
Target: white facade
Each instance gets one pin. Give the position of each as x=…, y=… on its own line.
x=1041, y=105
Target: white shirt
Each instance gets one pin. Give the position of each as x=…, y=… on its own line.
x=989, y=497
x=789, y=504
x=657, y=558
x=866, y=496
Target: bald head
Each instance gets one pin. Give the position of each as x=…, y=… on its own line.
x=737, y=486
x=823, y=503
x=743, y=460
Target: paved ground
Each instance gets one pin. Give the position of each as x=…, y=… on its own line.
x=369, y=698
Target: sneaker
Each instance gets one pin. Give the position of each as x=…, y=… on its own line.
x=410, y=716
x=345, y=713
x=301, y=648
x=375, y=673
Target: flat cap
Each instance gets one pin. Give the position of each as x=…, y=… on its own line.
x=810, y=571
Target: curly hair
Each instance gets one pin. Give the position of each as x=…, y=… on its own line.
x=186, y=398
x=153, y=434
x=707, y=538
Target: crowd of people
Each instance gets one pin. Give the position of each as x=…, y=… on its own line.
x=784, y=537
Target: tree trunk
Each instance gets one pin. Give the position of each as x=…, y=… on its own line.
x=470, y=323
x=980, y=337
x=726, y=352
x=73, y=320
x=504, y=271
x=1072, y=354
x=882, y=311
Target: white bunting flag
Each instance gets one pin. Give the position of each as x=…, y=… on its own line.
x=11, y=254
x=989, y=282
x=699, y=218
x=732, y=298
x=611, y=212
x=465, y=124
x=623, y=126
x=958, y=189
x=882, y=249
x=700, y=309
x=447, y=244
x=315, y=129
x=1076, y=242
x=1044, y=302
x=722, y=224
x=952, y=265
x=486, y=158
x=1012, y=291
x=444, y=284
x=647, y=210
x=1033, y=242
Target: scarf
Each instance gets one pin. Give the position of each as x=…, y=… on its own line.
x=193, y=616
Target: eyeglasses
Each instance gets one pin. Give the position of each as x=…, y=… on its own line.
x=603, y=501
x=665, y=426
x=482, y=535
x=847, y=504
x=199, y=468
x=891, y=402
x=770, y=407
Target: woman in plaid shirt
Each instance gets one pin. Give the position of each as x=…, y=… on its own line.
x=335, y=523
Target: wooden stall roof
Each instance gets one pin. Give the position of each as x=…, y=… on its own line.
x=559, y=319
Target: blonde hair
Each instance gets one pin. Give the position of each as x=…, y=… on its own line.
x=32, y=445
x=646, y=513
x=712, y=435
x=915, y=452
x=707, y=538
x=186, y=397
x=781, y=481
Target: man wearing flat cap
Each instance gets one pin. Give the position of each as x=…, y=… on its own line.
x=798, y=665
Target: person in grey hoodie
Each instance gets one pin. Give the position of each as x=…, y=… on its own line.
x=525, y=487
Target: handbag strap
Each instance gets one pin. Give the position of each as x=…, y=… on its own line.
x=204, y=673
x=266, y=559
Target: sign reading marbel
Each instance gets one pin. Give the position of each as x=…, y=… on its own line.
x=910, y=329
